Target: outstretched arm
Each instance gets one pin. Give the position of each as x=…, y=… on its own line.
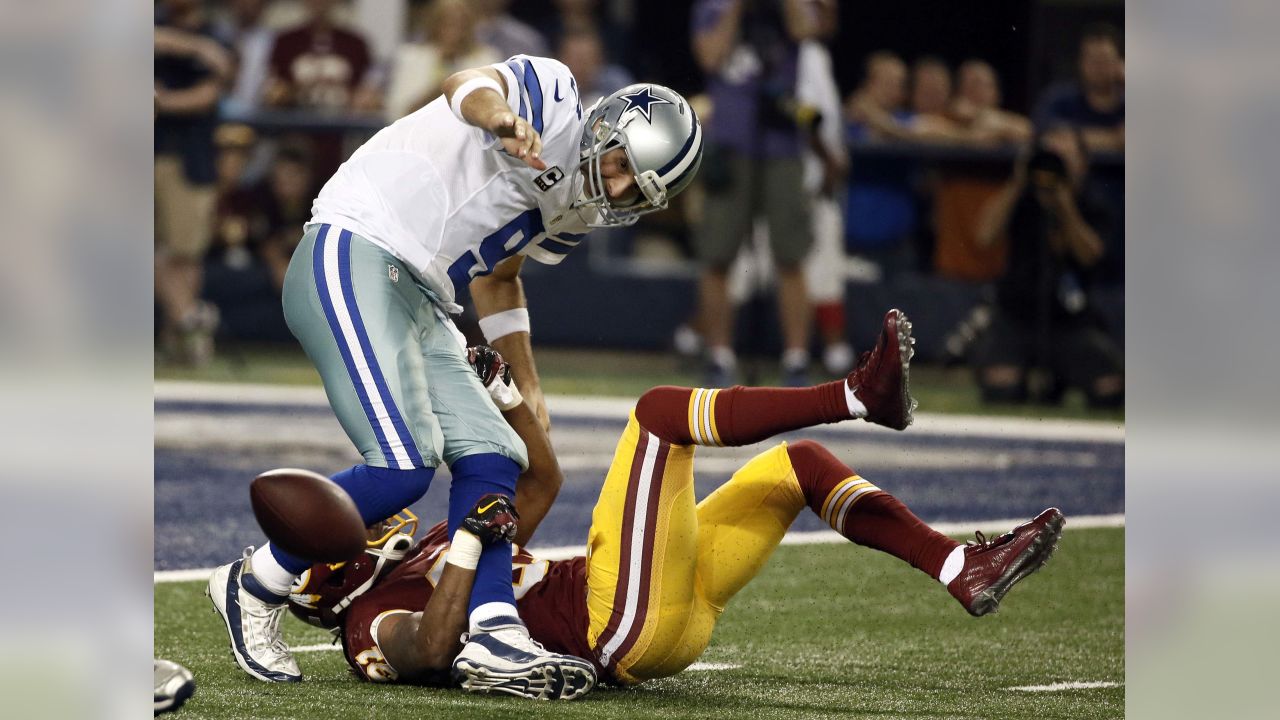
x=487, y=109
x=503, y=293
x=538, y=486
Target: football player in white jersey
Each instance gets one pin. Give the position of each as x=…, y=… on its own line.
x=506, y=165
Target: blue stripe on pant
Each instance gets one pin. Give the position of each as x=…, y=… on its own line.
x=332, y=270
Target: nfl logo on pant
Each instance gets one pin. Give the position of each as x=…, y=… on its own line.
x=393, y=272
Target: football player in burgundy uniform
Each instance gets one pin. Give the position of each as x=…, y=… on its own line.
x=660, y=569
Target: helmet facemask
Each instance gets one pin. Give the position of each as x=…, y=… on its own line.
x=593, y=194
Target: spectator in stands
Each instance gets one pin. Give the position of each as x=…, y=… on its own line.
x=578, y=15
x=583, y=52
x=420, y=68
x=322, y=67
x=192, y=71
x=499, y=30
x=286, y=207
x=930, y=87
x=237, y=228
x=881, y=212
x=1094, y=102
x=243, y=30
x=748, y=50
x=875, y=110
x=826, y=168
x=977, y=107
x=1043, y=317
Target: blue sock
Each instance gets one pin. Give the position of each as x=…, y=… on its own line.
x=378, y=493
x=475, y=476
x=293, y=564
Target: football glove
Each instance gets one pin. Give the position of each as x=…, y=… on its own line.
x=495, y=375
x=492, y=519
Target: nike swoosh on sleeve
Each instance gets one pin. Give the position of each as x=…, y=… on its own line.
x=557, y=91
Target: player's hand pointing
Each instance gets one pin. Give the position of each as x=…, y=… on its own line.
x=519, y=139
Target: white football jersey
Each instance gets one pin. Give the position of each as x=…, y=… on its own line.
x=445, y=198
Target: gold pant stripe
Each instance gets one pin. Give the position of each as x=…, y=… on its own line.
x=652, y=603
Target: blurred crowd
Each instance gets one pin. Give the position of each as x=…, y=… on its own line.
x=811, y=185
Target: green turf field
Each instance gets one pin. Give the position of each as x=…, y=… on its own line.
x=825, y=631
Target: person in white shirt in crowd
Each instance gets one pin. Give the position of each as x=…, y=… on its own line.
x=420, y=68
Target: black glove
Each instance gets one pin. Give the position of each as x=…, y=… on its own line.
x=495, y=375
x=492, y=519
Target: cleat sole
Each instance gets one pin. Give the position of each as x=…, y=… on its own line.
x=552, y=681
x=906, y=351
x=1028, y=561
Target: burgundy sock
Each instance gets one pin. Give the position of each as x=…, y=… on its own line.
x=738, y=415
x=863, y=512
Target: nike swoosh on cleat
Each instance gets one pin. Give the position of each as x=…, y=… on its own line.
x=557, y=92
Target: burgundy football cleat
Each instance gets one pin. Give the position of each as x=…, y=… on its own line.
x=881, y=380
x=991, y=567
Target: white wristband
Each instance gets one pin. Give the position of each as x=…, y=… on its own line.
x=504, y=323
x=464, y=551
x=505, y=396
x=468, y=87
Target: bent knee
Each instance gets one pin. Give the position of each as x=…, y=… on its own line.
x=664, y=411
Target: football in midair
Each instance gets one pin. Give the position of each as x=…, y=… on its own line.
x=307, y=515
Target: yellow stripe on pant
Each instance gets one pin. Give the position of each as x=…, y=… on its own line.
x=661, y=569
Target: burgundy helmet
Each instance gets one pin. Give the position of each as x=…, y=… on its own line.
x=321, y=594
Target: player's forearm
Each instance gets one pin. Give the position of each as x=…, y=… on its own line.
x=422, y=646
x=538, y=486
x=482, y=104
x=500, y=293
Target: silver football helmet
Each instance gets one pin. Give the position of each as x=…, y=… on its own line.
x=663, y=141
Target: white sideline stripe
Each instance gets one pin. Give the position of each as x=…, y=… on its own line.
x=813, y=537
x=620, y=408
x=1067, y=686
x=322, y=647
x=712, y=666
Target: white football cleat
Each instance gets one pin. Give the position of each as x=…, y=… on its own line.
x=501, y=657
x=174, y=685
x=252, y=614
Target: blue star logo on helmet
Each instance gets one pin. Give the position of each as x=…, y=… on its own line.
x=642, y=100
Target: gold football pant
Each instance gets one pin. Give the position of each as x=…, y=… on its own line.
x=661, y=569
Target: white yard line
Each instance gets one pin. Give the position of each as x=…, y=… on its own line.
x=1058, y=687
x=816, y=537
x=619, y=408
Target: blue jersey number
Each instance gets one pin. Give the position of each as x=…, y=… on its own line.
x=498, y=246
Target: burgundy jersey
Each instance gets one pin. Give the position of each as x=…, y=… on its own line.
x=550, y=595
x=323, y=65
